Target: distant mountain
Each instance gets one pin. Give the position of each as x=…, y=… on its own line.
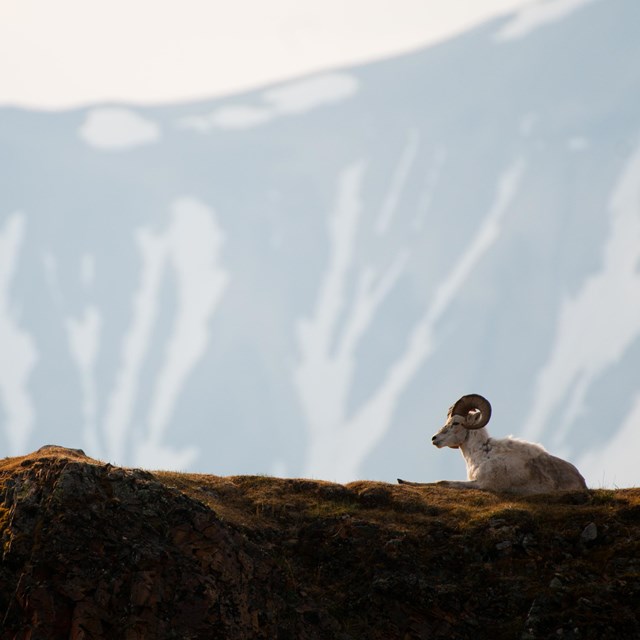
x=299, y=281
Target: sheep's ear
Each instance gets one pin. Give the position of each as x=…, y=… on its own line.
x=474, y=417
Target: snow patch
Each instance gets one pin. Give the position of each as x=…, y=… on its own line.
x=534, y=16
x=616, y=463
x=50, y=267
x=305, y=95
x=136, y=342
x=193, y=243
x=507, y=188
x=190, y=247
x=83, y=335
x=152, y=455
x=19, y=353
x=291, y=99
x=600, y=322
x=398, y=182
x=117, y=129
x=87, y=269
x=323, y=376
x=237, y=117
x=431, y=182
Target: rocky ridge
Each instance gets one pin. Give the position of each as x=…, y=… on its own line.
x=96, y=551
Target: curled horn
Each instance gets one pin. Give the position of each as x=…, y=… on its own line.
x=467, y=404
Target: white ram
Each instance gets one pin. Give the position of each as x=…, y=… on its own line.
x=504, y=465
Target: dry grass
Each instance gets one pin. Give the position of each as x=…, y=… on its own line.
x=400, y=554
x=274, y=503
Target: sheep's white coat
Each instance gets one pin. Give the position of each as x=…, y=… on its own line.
x=505, y=465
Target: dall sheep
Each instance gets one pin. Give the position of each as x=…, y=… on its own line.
x=504, y=465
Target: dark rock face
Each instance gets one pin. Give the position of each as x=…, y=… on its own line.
x=94, y=551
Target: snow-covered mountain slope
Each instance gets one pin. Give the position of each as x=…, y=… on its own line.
x=301, y=280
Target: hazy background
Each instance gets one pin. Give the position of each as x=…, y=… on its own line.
x=283, y=237
x=75, y=52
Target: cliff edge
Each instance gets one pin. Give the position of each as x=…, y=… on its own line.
x=95, y=551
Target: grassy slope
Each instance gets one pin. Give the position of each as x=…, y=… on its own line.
x=527, y=564
x=374, y=560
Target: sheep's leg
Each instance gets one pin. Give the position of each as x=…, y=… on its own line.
x=413, y=484
x=453, y=484
x=459, y=484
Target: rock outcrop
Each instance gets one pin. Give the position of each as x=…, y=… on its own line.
x=95, y=551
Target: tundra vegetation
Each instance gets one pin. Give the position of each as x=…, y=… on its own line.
x=96, y=551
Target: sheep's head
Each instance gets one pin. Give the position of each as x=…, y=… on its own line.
x=469, y=413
